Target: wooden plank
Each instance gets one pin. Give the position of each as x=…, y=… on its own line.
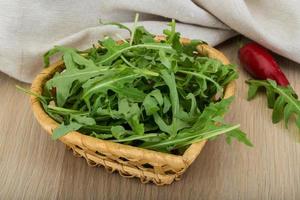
x=30, y=163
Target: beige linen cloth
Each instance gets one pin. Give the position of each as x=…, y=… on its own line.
x=31, y=27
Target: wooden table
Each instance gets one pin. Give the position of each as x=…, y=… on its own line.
x=32, y=166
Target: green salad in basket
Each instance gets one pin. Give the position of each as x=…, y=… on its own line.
x=155, y=95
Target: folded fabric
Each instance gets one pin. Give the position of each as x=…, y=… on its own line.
x=29, y=28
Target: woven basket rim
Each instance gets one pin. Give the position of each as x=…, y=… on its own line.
x=156, y=158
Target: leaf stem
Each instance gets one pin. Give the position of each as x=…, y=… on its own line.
x=66, y=110
x=27, y=91
x=149, y=45
x=137, y=137
x=203, y=77
x=134, y=28
x=209, y=136
x=206, y=135
x=139, y=70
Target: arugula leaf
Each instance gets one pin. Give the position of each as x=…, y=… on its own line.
x=142, y=36
x=65, y=129
x=167, y=104
x=63, y=81
x=152, y=102
x=190, y=48
x=118, y=132
x=48, y=54
x=239, y=135
x=283, y=100
x=84, y=120
x=173, y=37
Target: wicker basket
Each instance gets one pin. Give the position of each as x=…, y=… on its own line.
x=149, y=166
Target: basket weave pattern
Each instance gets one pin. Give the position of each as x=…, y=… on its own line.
x=149, y=166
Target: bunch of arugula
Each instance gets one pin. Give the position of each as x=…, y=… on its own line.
x=158, y=96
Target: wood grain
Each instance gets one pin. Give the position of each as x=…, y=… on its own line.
x=32, y=166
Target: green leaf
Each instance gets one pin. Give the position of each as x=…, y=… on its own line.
x=113, y=50
x=190, y=48
x=48, y=54
x=150, y=105
x=142, y=36
x=84, y=120
x=173, y=37
x=162, y=125
x=194, y=109
x=202, y=76
x=252, y=91
x=131, y=93
x=167, y=104
x=169, y=79
x=137, y=127
x=164, y=59
x=65, y=129
x=210, y=112
x=197, y=137
x=288, y=111
x=27, y=91
x=277, y=114
x=152, y=102
x=63, y=81
x=239, y=135
x=104, y=83
x=131, y=113
x=67, y=55
x=158, y=96
x=271, y=97
x=283, y=100
x=118, y=132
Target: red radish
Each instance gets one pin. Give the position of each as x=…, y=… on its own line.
x=260, y=63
